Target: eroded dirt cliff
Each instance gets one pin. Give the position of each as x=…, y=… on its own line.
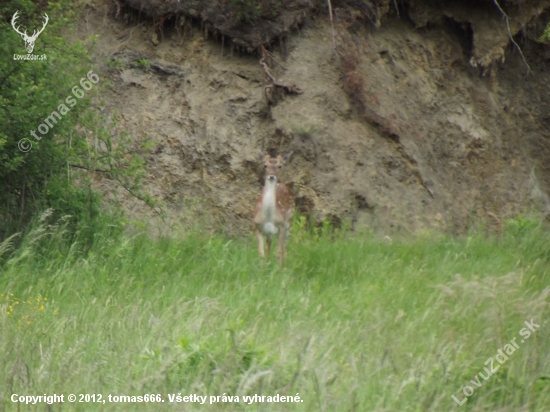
x=426, y=119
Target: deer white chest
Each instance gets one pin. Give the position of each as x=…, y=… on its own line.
x=269, y=210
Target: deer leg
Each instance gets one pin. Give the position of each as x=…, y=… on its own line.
x=260, y=243
x=268, y=241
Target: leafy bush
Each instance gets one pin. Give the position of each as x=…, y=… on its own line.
x=545, y=38
x=55, y=173
x=30, y=91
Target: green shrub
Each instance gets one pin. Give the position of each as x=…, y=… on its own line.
x=55, y=172
x=545, y=38
x=30, y=92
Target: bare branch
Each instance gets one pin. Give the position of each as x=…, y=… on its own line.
x=507, y=20
x=289, y=88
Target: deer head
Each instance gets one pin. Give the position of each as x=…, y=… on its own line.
x=273, y=165
x=29, y=40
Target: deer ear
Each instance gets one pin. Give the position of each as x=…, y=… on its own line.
x=286, y=157
x=261, y=155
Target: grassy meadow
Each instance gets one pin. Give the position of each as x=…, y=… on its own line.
x=352, y=322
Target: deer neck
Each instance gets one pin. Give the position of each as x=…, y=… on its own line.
x=269, y=199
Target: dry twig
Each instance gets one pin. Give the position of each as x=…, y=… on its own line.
x=289, y=88
x=507, y=20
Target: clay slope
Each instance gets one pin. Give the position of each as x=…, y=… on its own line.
x=396, y=130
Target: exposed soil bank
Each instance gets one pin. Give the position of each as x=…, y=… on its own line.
x=425, y=122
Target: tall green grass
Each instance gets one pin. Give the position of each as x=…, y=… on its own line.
x=351, y=322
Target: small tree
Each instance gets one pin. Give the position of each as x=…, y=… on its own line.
x=32, y=179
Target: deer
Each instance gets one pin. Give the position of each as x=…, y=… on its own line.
x=29, y=40
x=274, y=208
